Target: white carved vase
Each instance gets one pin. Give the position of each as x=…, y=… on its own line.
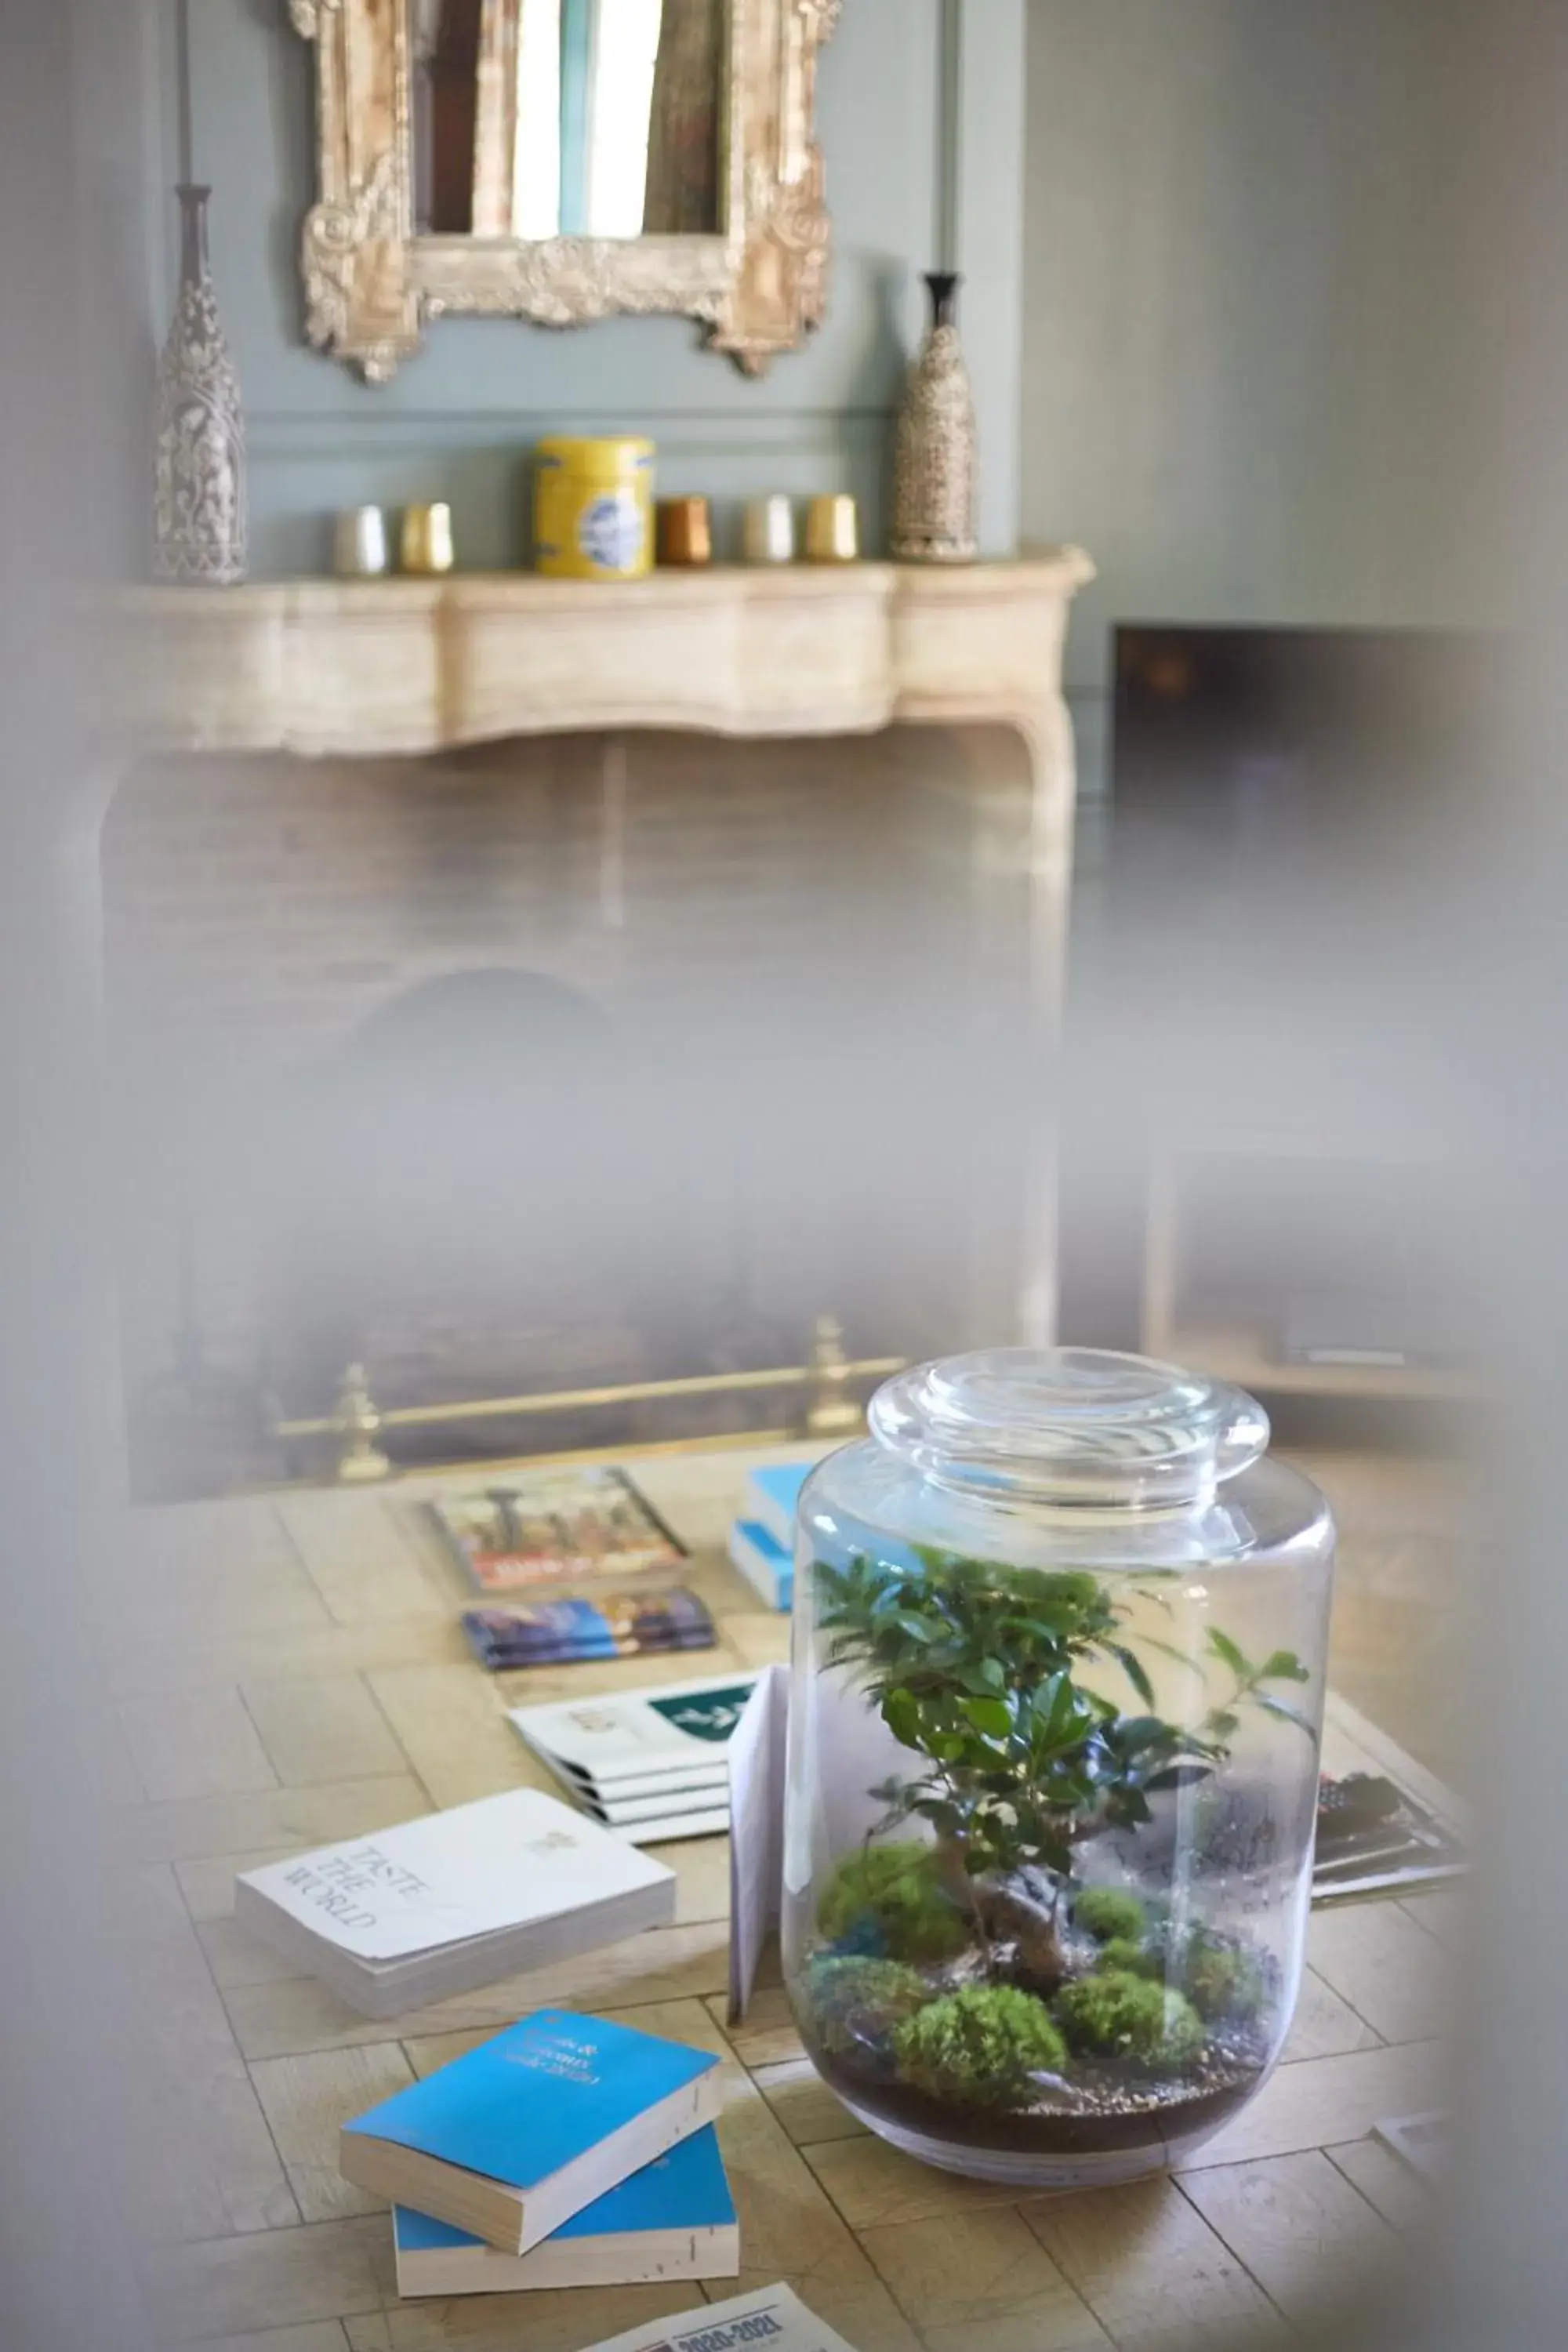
x=934, y=454
x=199, y=499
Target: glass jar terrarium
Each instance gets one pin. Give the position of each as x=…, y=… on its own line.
x=1058, y=1688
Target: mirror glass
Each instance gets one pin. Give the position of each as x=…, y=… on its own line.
x=538, y=119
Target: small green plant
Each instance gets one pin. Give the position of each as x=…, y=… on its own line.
x=980, y=2047
x=1124, y=2016
x=1127, y=1955
x=975, y=1667
x=888, y=1900
x=856, y=2006
x=1104, y=1912
x=1220, y=1981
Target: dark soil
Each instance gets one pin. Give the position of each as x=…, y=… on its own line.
x=1098, y=2112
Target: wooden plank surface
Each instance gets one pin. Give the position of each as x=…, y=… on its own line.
x=1311, y=2241
x=299, y=1676
x=206, y=1745
x=307, y=2100
x=328, y=1728
x=1145, y=2260
x=1387, y=2182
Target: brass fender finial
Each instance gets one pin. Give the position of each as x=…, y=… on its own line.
x=830, y=1410
x=358, y=1424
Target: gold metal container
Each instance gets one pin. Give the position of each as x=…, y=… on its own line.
x=360, y=547
x=769, y=532
x=592, y=508
x=425, y=540
x=833, y=531
x=685, y=531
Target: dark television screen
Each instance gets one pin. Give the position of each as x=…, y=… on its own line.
x=1287, y=808
x=1240, y=755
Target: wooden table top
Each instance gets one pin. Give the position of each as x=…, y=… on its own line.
x=293, y=1673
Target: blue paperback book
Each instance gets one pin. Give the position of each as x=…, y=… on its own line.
x=773, y=1498
x=763, y=1562
x=510, y=2141
x=674, y=2219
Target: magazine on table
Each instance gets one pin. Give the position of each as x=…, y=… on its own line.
x=1374, y=1837
x=555, y=1525
x=519, y=1633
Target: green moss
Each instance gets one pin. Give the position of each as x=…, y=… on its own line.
x=1219, y=1981
x=978, y=2048
x=1132, y=1958
x=1108, y=1912
x=856, y=2005
x=886, y=1901
x=1125, y=2016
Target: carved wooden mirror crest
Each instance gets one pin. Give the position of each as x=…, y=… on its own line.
x=562, y=160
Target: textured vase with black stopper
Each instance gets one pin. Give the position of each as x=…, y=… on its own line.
x=934, y=453
x=199, y=505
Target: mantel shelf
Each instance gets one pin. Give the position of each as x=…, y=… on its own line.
x=357, y=668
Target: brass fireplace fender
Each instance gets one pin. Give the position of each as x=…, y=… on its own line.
x=828, y=1411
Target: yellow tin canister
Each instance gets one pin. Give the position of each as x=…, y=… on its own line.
x=592, y=509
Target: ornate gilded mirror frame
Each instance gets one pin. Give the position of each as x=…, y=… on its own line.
x=371, y=281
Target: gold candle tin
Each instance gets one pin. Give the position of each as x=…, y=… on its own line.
x=360, y=550
x=769, y=532
x=425, y=543
x=833, y=531
x=592, y=508
x=685, y=531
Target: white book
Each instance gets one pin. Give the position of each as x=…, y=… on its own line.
x=685, y=1781
x=758, y=1754
x=631, y=1734
x=654, y=1810
x=628, y=1813
x=454, y=1900
x=773, y=2315
x=665, y=1828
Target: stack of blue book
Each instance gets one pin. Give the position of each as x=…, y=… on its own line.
x=761, y=1541
x=569, y=2151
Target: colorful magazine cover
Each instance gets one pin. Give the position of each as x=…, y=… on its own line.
x=555, y=1525
x=561, y=1632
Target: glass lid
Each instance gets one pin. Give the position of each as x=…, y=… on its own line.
x=1069, y=1425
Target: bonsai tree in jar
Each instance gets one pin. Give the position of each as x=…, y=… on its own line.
x=974, y=1967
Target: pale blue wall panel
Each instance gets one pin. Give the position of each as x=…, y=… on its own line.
x=1236, y=287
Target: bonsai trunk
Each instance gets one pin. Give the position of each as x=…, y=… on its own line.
x=1005, y=1911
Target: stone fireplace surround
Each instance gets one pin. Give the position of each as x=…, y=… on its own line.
x=798, y=842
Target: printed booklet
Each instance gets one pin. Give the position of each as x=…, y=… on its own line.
x=454, y=1900
x=773, y=2315
x=651, y=1764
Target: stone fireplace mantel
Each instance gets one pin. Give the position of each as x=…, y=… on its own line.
x=346, y=668
x=295, y=849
